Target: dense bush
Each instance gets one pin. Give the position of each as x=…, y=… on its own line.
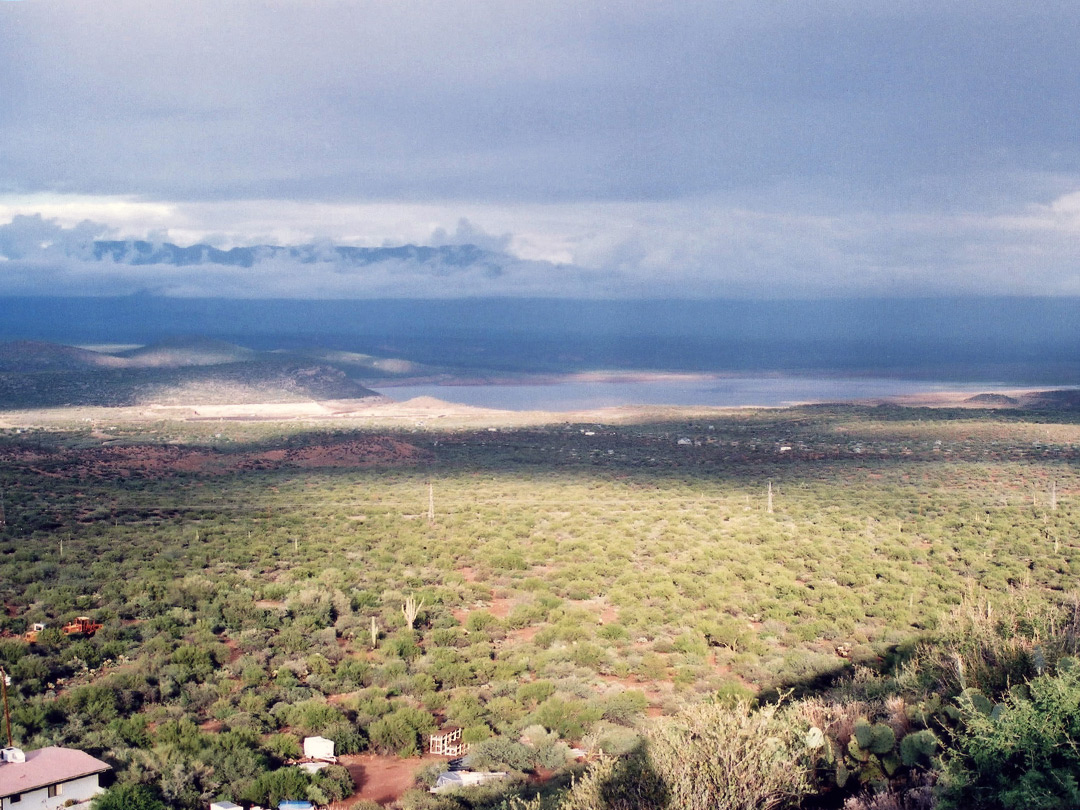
x=403, y=731
x=128, y=797
x=237, y=604
x=1023, y=753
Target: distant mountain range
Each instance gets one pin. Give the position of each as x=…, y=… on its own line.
x=145, y=253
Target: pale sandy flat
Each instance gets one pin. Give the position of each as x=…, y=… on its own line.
x=430, y=413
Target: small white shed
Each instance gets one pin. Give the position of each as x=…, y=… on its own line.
x=319, y=748
x=225, y=805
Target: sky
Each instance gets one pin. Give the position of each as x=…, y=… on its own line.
x=721, y=149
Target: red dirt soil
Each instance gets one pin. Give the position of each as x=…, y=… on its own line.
x=151, y=459
x=234, y=649
x=382, y=779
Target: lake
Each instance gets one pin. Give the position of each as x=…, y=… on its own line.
x=723, y=391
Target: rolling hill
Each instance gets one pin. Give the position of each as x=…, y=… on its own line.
x=173, y=372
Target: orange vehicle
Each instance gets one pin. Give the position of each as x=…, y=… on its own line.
x=83, y=625
x=32, y=634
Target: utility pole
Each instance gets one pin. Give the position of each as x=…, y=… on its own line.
x=5, y=679
x=431, y=502
x=1053, y=494
x=770, y=496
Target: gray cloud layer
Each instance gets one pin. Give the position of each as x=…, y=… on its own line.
x=554, y=101
x=744, y=147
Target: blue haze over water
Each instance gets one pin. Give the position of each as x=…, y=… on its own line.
x=737, y=391
x=769, y=352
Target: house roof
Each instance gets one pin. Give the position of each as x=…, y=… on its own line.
x=448, y=780
x=47, y=766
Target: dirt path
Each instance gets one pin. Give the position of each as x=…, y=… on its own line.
x=383, y=779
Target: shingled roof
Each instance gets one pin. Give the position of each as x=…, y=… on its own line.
x=47, y=766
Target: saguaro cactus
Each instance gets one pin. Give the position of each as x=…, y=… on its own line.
x=410, y=609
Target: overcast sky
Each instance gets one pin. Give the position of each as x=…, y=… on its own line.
x=768, y=148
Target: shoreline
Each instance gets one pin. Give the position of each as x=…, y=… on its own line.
x=427, y=412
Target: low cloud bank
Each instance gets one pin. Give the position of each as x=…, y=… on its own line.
x=38, y=256
x=676, y=250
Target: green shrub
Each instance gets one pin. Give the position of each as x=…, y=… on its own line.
x=401, y=732
x=501, y=754
x=480, y=620
x=283, y=746
x=335, y=782
x=1024, y=753
x=273, y=787
x=711, y=756
x=535, y=692
x=625, y=707
x=568, y=718
x=128, y=797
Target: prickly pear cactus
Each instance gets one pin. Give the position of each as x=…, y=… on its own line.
x=918, y=747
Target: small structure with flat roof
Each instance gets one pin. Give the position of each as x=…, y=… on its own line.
x=455, y=780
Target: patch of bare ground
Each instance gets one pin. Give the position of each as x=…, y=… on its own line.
x=341, y=698
x=606, y=613
x=653, y=691
x=497, y=606
x=726, y=671
x=234, y=649
x=373, y=412
x=524, y=633
x=468, y=573
x=349, y=645
x=500, y=606
x=382, y=779
x=159, y=460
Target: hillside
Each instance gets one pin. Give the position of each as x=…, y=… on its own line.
x=620, y=588
x=28, y=356
x=176, y=372
x=186, y=351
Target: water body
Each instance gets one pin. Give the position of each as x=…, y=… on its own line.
x=763, y=391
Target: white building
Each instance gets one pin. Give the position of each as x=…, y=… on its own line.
x=319, y=748
x=48, y=779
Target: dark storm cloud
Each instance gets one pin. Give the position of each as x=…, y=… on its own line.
x=551, y=101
